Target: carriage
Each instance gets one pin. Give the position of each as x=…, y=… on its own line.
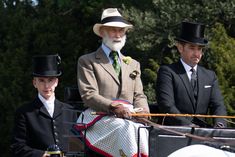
x=163, y=140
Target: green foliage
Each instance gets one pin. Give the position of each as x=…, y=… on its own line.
x=149, y=91
x=65, y=27
x=221, y=57
x=159, y=24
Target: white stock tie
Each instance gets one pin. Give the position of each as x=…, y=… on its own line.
x=50, y=108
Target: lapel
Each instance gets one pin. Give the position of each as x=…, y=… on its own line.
x=43, y=110
x=104, y=62
x=58, y=108
x=183, y=75
x=41, y=107
x=125, y=69
x=200, y=84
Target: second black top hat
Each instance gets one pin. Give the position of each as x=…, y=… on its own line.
x=192, y=33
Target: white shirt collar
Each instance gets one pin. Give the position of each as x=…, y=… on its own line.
x=188, y=68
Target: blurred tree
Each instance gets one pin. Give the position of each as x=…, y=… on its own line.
x=158, y=24
x=221, y=57
x=65, y=27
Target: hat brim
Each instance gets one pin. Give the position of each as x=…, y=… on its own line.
x=47, y=74
x=96, y=27
x=200, y=42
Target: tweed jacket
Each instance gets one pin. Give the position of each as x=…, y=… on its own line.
x=35, y=129
x=99, y=85
x=175, y=95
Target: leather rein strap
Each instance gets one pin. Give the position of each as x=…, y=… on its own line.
x=189, y=135
x=180, y=115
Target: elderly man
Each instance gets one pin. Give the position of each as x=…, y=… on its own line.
x=110, y=82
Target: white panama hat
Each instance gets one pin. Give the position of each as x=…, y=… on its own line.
x=111, y=17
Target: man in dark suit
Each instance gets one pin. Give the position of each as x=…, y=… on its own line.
x=110, y=82
x=42, y=123
x=187, y=88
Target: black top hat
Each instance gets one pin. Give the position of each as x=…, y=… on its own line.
x=46, y=65
x=192, y=33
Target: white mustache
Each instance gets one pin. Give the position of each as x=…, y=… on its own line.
x=115, y=44
x=117, y=40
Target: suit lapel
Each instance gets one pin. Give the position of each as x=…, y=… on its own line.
x=43, y=110
x=104, y=62
x=200, y=85
x=57, y=109
x=124, y=71
x=124, y=74
x=183, y=75
x=41, y=107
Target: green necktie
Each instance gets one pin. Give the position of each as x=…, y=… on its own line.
x=116, y=65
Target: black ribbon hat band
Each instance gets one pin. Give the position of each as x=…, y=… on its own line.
x=113, y=19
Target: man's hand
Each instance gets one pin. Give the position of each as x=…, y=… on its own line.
x=120, y=111
x=46, y=155
x=143, y=111
x=142, y=119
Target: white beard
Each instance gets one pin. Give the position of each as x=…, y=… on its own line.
x=115, y=44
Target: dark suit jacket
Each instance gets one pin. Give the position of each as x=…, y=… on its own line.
x=175, y=95
x=35, y=129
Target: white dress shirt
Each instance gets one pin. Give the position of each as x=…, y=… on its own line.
x=188, y=69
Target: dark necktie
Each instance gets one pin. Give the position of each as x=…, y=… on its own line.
x=116, y=65
x=194, y=82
